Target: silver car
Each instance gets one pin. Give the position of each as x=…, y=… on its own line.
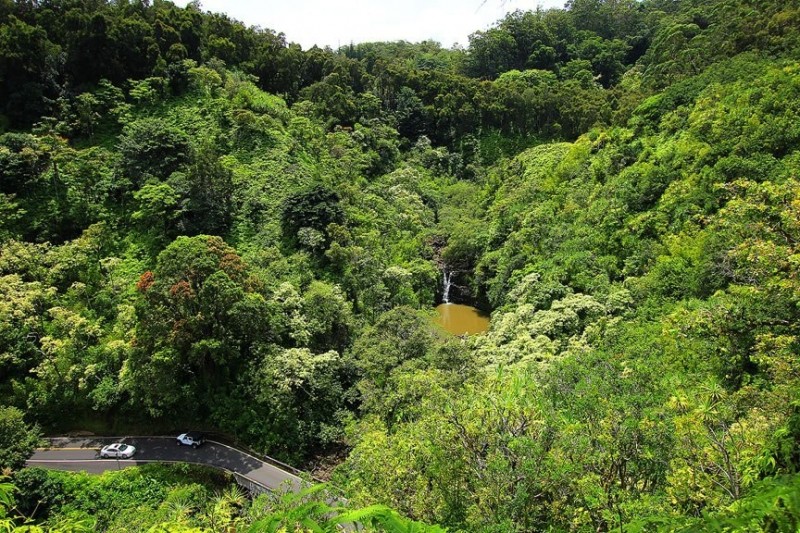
x=118, y=450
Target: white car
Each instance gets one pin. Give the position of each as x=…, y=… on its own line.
x=118, y=450
x=191, y=439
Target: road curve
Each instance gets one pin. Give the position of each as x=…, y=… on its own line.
x=84, y=455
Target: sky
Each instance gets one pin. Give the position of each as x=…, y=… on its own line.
x=336, y=23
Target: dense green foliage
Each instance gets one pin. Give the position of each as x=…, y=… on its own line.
x=176, y=498
x=17, y=439
x=201, y=224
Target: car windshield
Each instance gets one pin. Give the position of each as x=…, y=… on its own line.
x=122, y=447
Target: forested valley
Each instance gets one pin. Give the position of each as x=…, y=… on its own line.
x=204, y=225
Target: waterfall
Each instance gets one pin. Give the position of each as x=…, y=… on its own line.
x=446, y=288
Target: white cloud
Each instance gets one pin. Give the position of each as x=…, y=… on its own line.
x=338, y=22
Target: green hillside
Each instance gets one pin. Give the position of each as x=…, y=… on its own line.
x=203, y=225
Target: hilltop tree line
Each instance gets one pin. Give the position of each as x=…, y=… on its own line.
x=535, y=74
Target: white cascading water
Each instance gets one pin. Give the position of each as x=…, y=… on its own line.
x=446, y=289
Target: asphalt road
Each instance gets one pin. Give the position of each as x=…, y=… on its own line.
x=84, y=455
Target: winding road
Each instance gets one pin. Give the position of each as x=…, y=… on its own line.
x=83, y=454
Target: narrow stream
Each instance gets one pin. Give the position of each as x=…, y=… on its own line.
x=461, y=319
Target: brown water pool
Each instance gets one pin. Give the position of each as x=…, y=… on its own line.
x=461, y=319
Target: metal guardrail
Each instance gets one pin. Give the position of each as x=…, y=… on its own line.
x=229, y=440
x=252, y=486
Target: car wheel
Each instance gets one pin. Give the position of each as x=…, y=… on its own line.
x=103, y=456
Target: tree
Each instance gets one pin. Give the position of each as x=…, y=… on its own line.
x=198, y=318
x=207, y=191
x=23, y=305
x=399, y=339
x=17, y=439
x=29, y=63
x=334, y=100
x=329, y=316
x=149, y=148
x=158, y=207
x=491, y=53
x=22, y=160
x=315, y=208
